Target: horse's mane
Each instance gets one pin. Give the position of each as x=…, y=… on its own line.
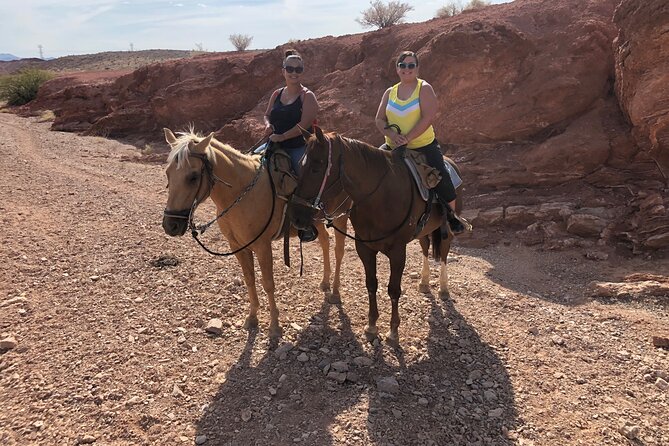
x=371, y=155
x=179, y=152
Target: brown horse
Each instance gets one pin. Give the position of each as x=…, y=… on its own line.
x=387, y=208
x=240, y=187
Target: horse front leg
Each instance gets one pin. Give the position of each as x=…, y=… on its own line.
x=368, y=257
x=266, y=262
x=324, y=241
x=340, y=241
x=424, y=286
x=245, y=259
x=397, y=258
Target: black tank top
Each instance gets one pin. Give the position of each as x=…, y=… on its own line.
x=284, y=117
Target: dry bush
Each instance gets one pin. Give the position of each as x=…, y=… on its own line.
x=383, y=15
x=46, y=116
x=475, y=4
x=449, y=10
x=240, y=41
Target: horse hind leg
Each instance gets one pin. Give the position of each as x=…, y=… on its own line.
x=443, y=267
x=424, y=285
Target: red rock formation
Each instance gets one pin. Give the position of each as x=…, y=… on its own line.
x=527, y=107
x=642, y=73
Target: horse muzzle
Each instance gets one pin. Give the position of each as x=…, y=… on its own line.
x=175, y=223
x=301, y=215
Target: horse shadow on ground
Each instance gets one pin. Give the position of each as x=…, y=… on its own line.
x=457, y=392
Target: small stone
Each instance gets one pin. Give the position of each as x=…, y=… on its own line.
x=490, y=395
x=352, y=377
x=177, y=392
x=533, y=330
x=397, y=413
x=215, y=327
x=272, y=391
x=237, y=281
x=339, y=366
x=363, y=361
x=661, y=384
x=495, y=413
x=630, y=431
x=422, y=401
x=246, y=415
x=283, y=349
x=661, y=341
x=201, y=439
x=95, y=278
x=387, y=385
x=8, y=343
x=303, y=357
x=339, y=377
x=557, y=340
x=86, y=439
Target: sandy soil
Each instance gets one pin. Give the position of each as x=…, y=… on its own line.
x=108, y=317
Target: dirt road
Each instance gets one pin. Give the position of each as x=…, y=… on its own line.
x=110, y=346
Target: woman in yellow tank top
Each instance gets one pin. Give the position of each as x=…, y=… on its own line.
x=411, y=106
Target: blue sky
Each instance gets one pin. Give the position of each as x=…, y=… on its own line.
x=64, y=27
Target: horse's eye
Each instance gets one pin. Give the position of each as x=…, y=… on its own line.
x=192, y=178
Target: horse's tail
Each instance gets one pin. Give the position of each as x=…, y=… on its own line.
x=436, y=244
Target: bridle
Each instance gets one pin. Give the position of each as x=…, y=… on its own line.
x=318, y=205
x=189, y=214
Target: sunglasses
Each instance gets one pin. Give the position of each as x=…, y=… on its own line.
x=410, y=66
x=290, y=69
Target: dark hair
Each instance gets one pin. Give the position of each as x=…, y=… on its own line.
x=404, y=54
x=291, y=54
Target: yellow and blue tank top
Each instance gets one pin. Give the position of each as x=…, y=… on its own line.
x=406, y=114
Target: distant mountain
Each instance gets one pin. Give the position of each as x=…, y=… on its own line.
x=7, y=57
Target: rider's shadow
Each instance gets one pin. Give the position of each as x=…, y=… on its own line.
x=458, y=393
x=286, y=397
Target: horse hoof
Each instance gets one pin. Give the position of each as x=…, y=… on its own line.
x=393, y=339
x=325, y=287
x=275, y=332
x=444, y=294
x=371, y=333
x=251, y=322
x=334, y=298
x=424, y=288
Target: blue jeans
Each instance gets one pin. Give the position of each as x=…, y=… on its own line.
x=296, y=155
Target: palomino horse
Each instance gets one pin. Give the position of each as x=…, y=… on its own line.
x=387, y=208
x=204, y=167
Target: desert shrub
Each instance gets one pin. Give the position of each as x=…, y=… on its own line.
x=475, y=4
x=46, y=116
x=449, y=10
x=383, y=15
x=22, y=87
x=240, y=41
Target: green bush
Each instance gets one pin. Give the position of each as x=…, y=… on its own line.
x=21, y=88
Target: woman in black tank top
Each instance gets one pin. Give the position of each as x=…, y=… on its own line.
x=290, y=108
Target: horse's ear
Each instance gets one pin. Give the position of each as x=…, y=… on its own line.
x=305, y=133
x=319, y=134
x=202, y=145
x=169, y=136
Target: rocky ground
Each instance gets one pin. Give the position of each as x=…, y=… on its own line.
x=103, y=340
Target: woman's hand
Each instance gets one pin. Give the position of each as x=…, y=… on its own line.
x=275, y=137
x=397, y=139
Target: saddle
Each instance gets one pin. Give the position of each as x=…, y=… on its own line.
x=285, y=181
x=426, y=176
